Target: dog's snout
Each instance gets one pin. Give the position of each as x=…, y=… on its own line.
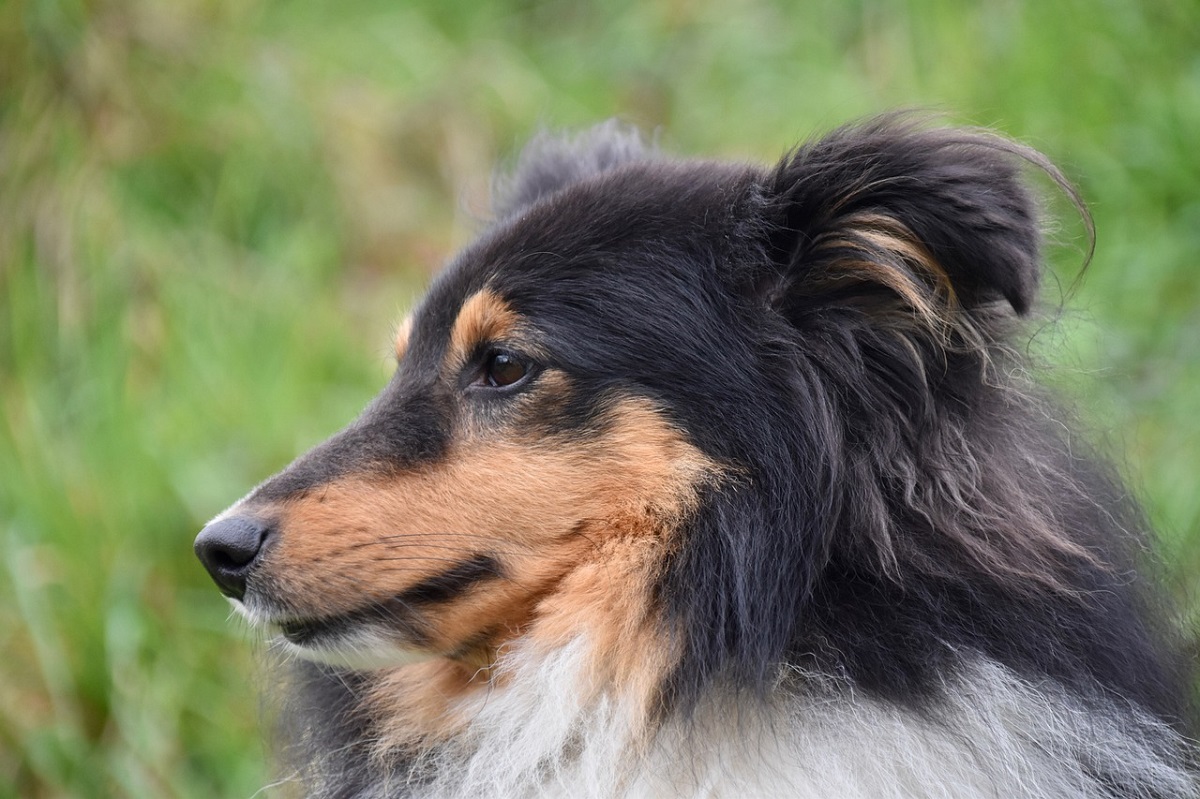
x=228, y=548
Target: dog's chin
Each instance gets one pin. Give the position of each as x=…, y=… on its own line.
x=357, y=650
x=343, y=642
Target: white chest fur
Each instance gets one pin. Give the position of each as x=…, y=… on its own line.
x=550, y=734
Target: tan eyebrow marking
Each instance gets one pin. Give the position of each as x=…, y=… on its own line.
x=403, y=332
x=483, y=317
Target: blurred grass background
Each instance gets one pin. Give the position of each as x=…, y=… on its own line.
x=212, y=211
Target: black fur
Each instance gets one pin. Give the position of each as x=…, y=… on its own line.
x=838, y=331
x=902, y=499
x=454, y=582
x=860, y=433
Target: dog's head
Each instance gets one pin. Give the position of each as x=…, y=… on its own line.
x=683, y=389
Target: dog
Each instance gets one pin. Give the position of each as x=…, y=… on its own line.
x=704, y=479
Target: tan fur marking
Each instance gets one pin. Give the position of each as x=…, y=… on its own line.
x=403, y=333
x=415, y=705
x=580, y=528
x=361, y=539
x=905, y=265
x=881, y=250
x=607, y=598
x=483, y=317
x=612, y=598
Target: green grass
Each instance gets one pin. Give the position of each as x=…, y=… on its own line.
x=211, y=213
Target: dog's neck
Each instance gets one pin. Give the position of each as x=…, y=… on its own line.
x=597, y=645
x=540, y=724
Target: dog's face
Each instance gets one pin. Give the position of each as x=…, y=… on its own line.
x=537, y=412
x=682, y=388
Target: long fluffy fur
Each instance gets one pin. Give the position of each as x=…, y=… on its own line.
x=885, y=566
x=991, y=735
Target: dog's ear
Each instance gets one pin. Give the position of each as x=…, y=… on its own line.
x=552, y=162
x=919, y=225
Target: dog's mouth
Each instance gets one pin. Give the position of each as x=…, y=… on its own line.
x=306, y=632
x=379, y=632
x=376, y=636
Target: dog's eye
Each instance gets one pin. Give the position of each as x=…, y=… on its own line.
x=503, y=369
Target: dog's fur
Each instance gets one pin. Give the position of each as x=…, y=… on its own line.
x=773, y=511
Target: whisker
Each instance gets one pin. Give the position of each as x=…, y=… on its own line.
x=455, y=561
x=453, y=549
x=472, y=536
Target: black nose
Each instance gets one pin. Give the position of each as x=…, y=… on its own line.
x=228, y=548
